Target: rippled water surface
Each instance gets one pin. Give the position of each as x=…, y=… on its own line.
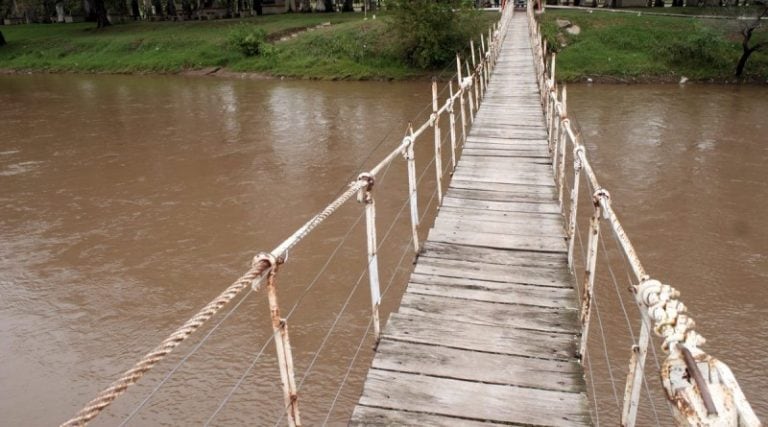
x=127, y=203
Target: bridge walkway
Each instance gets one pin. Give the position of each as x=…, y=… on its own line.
x=487, y=331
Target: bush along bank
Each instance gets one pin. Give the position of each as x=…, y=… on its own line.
x=317, y=46
x=638, y=47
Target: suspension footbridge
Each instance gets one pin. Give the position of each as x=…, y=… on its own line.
x=494, y=325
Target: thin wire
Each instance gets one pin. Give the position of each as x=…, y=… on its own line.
x=592, y=382
x=605, y=352
x=354, y=358
x=182, y=361
x=239, y=382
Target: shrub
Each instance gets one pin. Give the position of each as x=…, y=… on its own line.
x=702, y=46
x=250, y=40
x=430, y=32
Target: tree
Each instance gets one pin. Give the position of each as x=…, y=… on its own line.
x=100, y=11
x=2, y=39
x=347, y=6
x=746, y=33
x=430, y=32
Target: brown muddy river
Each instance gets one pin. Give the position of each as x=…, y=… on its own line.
x=127, y=203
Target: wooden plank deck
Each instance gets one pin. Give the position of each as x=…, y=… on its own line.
x=487, y=330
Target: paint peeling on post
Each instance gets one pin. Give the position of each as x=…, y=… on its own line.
x=366, y=197
x=282, y=345
x=438, y=143
x=589, y=269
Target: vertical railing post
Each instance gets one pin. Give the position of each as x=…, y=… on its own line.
x=366, y=197
x=435, y=119
x=452, y=122
x=589, y=270
x=635, y=376
x=282, y=345
x=483, y=66
x=574, y=203
x=412, y=188
x=474, y=76
x=560, y=133
x=472, y=89
x=461, y=101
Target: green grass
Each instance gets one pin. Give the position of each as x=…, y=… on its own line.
x=631, y=47
x=351, y=48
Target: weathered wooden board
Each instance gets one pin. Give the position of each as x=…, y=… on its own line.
x=481, y=205
x=500, y=196
x=532, y=229
x=476, y=366
x=537, y=276
x=474, y=401
x=489, y=313
x=368, y=416
x=493, y=256
x=486, y=338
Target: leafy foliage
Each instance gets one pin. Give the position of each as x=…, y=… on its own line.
x=250, y=40
x=430, y=32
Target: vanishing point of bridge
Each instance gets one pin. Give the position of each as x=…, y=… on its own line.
x=494, y=325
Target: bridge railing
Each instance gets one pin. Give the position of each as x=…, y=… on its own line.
x=464, y=95
x=700, y=389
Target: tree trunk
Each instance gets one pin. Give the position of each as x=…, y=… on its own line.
x=347, y=6
x=328, y=5
x=743, y=62
x=170, y=8
x=186, y=9
x=2, y=39
x=100, y=10
x=257, y=6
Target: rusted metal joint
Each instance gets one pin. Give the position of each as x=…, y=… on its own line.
x=364, y=195
x=449, y=105
x=265, y=257
x=432, y=119
x=600, y=194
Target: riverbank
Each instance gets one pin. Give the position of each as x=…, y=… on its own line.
x=626, y=48
x=309, y=46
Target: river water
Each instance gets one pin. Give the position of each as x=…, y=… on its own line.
x=127, y=203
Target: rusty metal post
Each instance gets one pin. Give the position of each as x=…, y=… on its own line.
x=574, y=204
x=589, y=270
x=483, y=65
x=452, y=122
x=410, y=158
x=282, y=346
x=435, y=119
x=366, y=197
x=461, y=101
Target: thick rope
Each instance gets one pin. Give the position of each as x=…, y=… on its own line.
x=130, y=377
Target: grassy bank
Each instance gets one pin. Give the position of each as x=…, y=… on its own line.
x=348, y=48
x=641, y=47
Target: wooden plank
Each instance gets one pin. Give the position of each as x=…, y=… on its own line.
x=501, y=369
x=474, y=401
x=500, y=196
x=482, y=205
x=509, y=228
x=492, y=240
x=485, y=338
x=490, y=313
x=493, y=256
x=552, y=277
x=503, y=187
x=367, y=416
x=476, y=290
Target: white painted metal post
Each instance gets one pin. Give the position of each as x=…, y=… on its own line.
x=483, y=65
x=412, y=188
x=475, y=81
x=589, y=271
x=365, y=197
x=452, y=122
x=574, y=204
x=438, y=143
x=471, y=99
x=283, y=349
x=560, y=133
x=635, y=376
x=461, y=101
